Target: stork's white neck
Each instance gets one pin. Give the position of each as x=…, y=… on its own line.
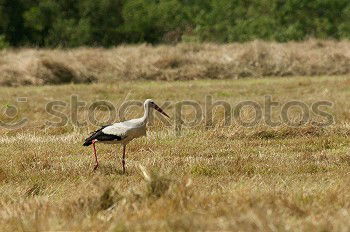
x=146, y=113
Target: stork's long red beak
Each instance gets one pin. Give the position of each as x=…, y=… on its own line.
x=160, y=110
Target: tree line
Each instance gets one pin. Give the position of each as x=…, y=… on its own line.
x=72, y=23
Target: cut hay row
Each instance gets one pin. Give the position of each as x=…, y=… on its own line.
x=174, y=62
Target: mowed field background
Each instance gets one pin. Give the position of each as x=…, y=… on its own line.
x=220, y=178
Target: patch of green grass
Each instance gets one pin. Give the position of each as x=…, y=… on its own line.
x=205, y=170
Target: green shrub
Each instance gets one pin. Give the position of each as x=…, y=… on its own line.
x=3, y=42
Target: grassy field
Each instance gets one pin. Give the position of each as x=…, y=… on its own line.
x=218, y=178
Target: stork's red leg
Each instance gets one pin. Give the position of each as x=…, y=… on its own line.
x=96, y=161
x=123, y=160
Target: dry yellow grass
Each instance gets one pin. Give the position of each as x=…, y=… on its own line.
x=223, y=178
x=179, y=62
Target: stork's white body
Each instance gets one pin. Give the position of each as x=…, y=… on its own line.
x=127, y=130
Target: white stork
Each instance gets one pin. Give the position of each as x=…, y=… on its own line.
x=122, y=132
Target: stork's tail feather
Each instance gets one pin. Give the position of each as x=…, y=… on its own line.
x=87, y=143
x=93, y=136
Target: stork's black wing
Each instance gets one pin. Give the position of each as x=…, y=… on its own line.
x=100, y=136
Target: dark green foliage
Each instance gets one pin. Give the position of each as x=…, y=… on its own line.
x=72, y=23
x=3, y=42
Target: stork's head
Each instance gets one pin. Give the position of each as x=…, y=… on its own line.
x=150, y=103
